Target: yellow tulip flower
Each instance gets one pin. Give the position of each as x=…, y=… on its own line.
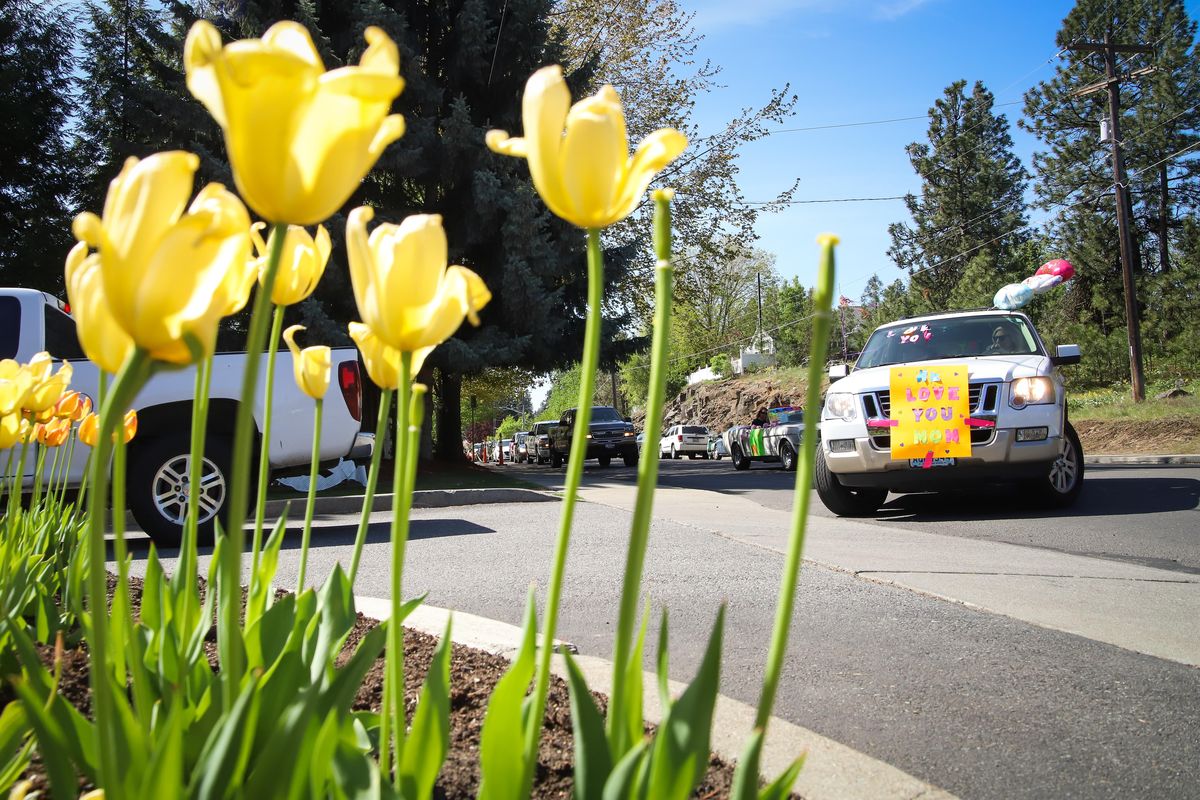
x=15, y=383
x=169, y=275
x=53, y=433
x=10, y=430
x=311, y=366
x=104, y=342
x=89, y=430
x=383, y=362
x=301, y=264
x=129, y=426
x=69, y=405
x=579, y=155
x=46, y=392
x=406, y=294
x=300, y=139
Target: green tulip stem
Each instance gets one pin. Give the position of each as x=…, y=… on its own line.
x=312, y=496
x=385, y=720
x=52, y=484
x=400, y=509
x=364, y=519
x=12, y=452
x=191, y=528
x=39, y=465
x=264, y=454
x=617, y=727
x=583, y=418
x=18, y=484
x=131, y=378
x=65, y=479
x=229, y=635
x=822, y=323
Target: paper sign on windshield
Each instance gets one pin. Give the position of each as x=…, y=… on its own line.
x=929, y=408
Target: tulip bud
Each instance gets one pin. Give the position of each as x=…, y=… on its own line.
x=301, y=262
x=311, y=366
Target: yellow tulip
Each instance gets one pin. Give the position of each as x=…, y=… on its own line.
x=169, y=275
x=579, y=155
x=383, y=362
x=301, y=264
x=10, y=430
x=53, y=433
x=89, y=430
x=312, y=366
x=406, y=294
x=47, y=391
x=15, y=383
x=299, y=139
x=129, y=425
x=104, y=342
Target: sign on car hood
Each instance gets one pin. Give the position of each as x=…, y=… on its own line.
x=984, y=368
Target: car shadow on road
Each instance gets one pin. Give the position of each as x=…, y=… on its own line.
x=327, y=536
x=1100, y=498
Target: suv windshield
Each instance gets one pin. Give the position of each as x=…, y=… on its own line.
x=605, y=414
x=951, y=337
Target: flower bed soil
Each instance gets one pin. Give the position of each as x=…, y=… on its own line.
x=473, y=674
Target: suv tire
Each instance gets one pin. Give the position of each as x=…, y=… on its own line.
x=1064, y=480
x=739, y=459
x=787, y=457
x=842, y=500
x=157, y=488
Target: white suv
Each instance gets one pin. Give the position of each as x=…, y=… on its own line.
x=1014, y=390
x=681, y=440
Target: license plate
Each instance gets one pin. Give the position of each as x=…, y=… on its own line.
x=610, y=445
x=919, y=463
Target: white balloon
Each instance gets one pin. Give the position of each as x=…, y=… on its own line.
x=1040, y=284
x=1012, y=297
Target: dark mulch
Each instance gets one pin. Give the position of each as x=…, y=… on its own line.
x=473, y=674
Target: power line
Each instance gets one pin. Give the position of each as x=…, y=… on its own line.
x=809, y=202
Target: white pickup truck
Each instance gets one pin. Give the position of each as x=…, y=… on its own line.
x=157, y=483
x=1015, y=392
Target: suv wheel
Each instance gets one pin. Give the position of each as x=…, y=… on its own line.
x=842, y=500
x=739, y=459
x=1064, y=482
x=159, y=471
x=674, y=452
x=787, y=457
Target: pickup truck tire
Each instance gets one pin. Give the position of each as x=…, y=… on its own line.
x=842, y=500
x=787, y=457
x=630, y=459
x=157, y=485
x=740, y=460
x=556, y=460
x=1064, y=481
x=604, y=461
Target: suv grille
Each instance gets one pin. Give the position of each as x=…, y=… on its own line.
x=982, y=398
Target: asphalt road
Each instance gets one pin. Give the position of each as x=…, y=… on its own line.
x=982, y=705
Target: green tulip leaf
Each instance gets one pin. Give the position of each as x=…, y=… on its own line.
x=502, y=740
x=627, y=780
x=593, y=762
x=428, y=739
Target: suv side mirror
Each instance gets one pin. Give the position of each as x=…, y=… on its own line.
x=1066, y=354
x=838, y=371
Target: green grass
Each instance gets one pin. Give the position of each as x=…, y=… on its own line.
x=433, y=476
x=1117, y=404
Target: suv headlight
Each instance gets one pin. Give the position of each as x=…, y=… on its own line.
x=1031, y=392
x=839, y=405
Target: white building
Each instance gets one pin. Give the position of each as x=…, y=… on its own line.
x=763, y=356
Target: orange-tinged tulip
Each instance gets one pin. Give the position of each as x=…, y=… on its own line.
x=69, y=405
x=168, y=273
x=46, y=392
x=85, y=408
x=89, y=430
x=301, y=263
x=104, y=341
x=300, y=139
x=406, y=294
x=53, y=433
x=129, y=425
x=311, y=366
x=579, y=155
x=10, y=430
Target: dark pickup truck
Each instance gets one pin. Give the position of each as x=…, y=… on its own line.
x=609, y=435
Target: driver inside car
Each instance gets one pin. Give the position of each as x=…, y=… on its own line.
x=1004, y=341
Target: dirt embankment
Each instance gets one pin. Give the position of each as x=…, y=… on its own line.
x=733, y=401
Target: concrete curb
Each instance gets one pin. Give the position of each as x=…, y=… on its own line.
x=832, y=771
x=1190, y=458
x=426, y=498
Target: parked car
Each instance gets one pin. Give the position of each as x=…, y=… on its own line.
x=609, y=435
x=1015, y=392
x=776, y=441
x=501, y=446
x=31, y=322
x=716, y=448
x=477, y=452
x=681, y=440
x=520, y=451
x=538, y=441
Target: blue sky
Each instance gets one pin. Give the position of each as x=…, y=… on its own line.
x=853, y=61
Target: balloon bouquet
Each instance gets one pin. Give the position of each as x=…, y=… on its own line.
x=1048, y=275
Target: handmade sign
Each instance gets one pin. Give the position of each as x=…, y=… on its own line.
x=929, y=412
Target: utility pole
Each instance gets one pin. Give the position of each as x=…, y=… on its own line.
x=1112, y=83
x=758, y=276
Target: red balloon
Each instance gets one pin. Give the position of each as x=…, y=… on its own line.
x=1058, y=266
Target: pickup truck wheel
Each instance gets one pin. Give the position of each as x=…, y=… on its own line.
x=555, y=459
x=630, y=459
x=1064, y=482
x=739, y=459
x=159, y=471
x=842, y=500
x=604, y=461
x=787, y=457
